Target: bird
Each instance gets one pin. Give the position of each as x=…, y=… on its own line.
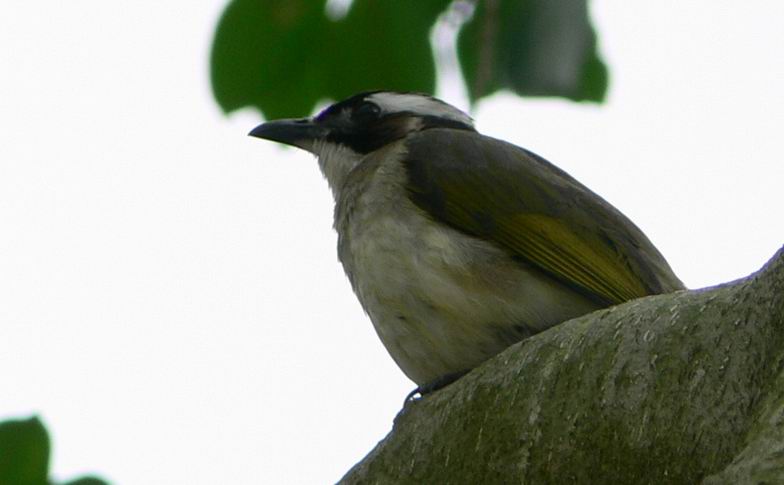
x=458, y=244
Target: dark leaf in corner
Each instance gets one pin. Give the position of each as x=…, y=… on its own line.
x=24, y=452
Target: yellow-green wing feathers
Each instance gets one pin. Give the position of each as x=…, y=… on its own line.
x=535, y=211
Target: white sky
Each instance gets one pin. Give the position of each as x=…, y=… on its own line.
x=170, y=298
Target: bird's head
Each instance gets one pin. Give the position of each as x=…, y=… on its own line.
x=346, y=131
x=365, y=122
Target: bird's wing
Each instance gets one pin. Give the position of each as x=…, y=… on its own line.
x=535, y=211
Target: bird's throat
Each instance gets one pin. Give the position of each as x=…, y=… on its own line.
x=336, y=162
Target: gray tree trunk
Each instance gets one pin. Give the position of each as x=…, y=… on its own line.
x=679, y=388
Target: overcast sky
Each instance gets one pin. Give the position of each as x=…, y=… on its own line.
x=170, y=299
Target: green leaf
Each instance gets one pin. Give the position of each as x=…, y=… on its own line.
x=283, y=56
x=24, y=452
x=533, y=48
x=270, y=54
x=384, y=44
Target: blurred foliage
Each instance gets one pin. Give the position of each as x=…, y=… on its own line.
x=283, y=56
x=24, y=455
x=533, y=48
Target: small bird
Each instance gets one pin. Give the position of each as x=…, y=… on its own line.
x=458, y=244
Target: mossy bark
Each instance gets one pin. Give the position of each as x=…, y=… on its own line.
x=677, y=388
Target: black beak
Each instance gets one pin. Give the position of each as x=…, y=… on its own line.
x=297, y=132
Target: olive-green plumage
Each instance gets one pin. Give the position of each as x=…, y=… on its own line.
x=535, y=211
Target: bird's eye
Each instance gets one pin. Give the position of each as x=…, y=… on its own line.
x=366, y=111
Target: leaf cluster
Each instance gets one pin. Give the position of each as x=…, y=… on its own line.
x=284, y=56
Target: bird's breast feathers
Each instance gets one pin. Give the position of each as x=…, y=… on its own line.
x=440, y=300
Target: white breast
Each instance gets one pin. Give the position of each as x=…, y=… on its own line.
x=441, y=301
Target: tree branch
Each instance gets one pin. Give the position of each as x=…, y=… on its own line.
x=665, y=389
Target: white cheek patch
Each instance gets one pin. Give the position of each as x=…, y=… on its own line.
x=419, y=104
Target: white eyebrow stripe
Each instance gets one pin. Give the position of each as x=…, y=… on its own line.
x=415, y=103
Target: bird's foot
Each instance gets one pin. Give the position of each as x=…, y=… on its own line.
x=434, y=385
